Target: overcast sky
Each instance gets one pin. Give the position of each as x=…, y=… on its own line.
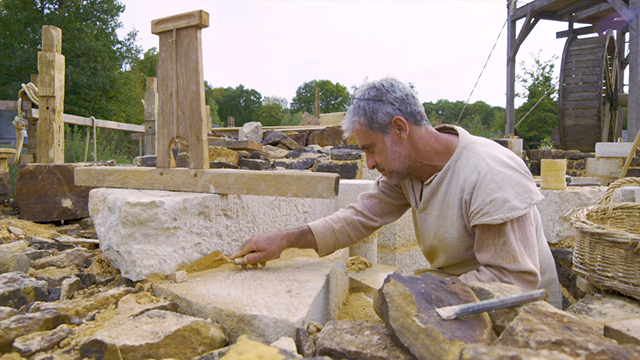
x=275, y=46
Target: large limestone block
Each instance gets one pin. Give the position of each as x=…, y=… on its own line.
x=604, y=167
x=407, y=306
x=144, y=231
x=251, y=131
x=11, y=261
x=265, y=303
x=156, y=334
x=557, y=203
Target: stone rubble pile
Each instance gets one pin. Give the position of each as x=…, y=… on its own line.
x=323, y=150
x=60, y=298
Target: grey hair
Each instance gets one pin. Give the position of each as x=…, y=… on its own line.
x=376, y=103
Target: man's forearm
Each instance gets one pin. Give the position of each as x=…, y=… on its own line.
x=301, y=238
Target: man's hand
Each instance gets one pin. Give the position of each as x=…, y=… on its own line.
x=264, y=247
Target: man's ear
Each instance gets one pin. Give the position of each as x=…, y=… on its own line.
x=400, y=127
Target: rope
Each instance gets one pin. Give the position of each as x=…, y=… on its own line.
x=538, y=102
x=482, y=71
x=20, y=121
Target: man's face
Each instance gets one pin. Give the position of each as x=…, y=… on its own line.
x=383, y=152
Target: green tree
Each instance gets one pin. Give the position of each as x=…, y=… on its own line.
x=478, y=118
x=241, y=103
x=333, y=97
x=539, y=81
x=213, y=105
x=148, y=64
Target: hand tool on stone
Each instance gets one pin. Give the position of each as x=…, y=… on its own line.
x=372, y=276
x=456, y=311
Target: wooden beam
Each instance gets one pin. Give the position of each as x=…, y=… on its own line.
x=581, y=15
x=633, y=112
x=103, y=124
x=533, y=7
x=528, y=25
x=582, y=5
x=181, y=112
x=510, y=111
x=50, y=148
x=216, y=181
x=197, y=18
x=622, y=9
x=8, y=105
x=579, y=31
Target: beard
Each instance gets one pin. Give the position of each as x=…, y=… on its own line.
x=398, y=173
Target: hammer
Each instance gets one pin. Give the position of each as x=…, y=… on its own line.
x=456, y=311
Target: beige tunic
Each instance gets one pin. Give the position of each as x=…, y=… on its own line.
x=476, y=218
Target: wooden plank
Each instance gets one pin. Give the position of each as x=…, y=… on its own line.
x=579, y=31
x=103, y=124
x=593, y=96
x=582, y=79
x=197, y=18
x=8, y=105
x=150, y=115
x=581, y=87
x=569, y=71
x=633, y=111
x=181, y=97
x=280, y=128
x=217, y=181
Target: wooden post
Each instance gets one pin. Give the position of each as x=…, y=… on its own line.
x=207, y=111
x=511, y=72
x=317, y=102
x=231, y=121
x=50, y=147
x=633, y=112
x=150, y=116
x=181, y=88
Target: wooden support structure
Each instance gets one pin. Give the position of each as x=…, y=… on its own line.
x=150, y=116
x=181, y=115
x=598, y=16
x=50, y=147
x=32, y=128
x=218, y=181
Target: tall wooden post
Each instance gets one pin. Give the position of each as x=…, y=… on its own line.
x=633, y=113
x=511, y=71
x=181, y=112
x=150, y=116
x=317, y=102
x=207, y=111
x=50, y=148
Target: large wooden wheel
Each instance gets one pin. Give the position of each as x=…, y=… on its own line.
x=588, y=93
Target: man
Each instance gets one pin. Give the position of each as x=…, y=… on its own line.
x=473, y=201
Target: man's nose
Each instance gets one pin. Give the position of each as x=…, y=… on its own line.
x=371, y=162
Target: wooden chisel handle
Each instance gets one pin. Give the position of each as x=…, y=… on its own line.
x=456, y=311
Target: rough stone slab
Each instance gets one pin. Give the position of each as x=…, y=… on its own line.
x=484, y=352
x=265, y=303
x=220, y=154
x=630, y=194
x=76, y=256
x=346, y=169
x=247, y=348
x=145, y=232
x=358, y=340
x=18, y=289
x=329, y=136
x=407, y=306
x=5, y=186
x=598, y=310
x=46, y=192
x=624, y=332
x=11, y=261
x=557, y=203
x=82, y=307
x=21, y=325
x=613, y=149
x=345, y=154
x=538, y=329
x=7, y=312
x=30, y=344
x=503, y=317
x=604, y=167
x=155, y=334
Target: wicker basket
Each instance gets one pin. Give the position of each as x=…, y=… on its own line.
x=607, y=246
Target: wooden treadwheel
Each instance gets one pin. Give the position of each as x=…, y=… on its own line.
x=588, y=93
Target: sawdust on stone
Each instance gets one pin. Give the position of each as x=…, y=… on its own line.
x=358, y=307
x=356, y=263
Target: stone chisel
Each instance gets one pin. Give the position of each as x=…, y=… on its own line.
x=456, y=311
